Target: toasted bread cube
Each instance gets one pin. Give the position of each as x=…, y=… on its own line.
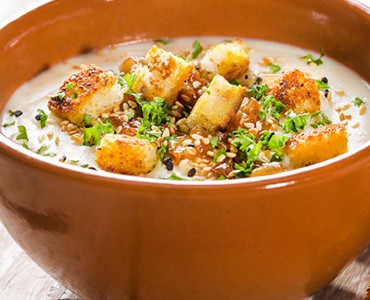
x=229, y=59
x=297, y=92
x=162, y=74
x=91, y=91
x=320, y=144
x=215, y=108
x=120, y=153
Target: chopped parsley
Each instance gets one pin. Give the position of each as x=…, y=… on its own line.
x=127, y=80
x=358, y=101
x=274, y=68
x=22, y=133
x=87, y=120
x=162, y=151
x=235, y=82
x=219, y=153
x=16, y=113
x=6, y=125
x=42, y=149
x=196, y=49
x=60, y=96
x=275, y=144
x=74, y=95
x=309, y=58
x=214, y=142
x=319, y=118
x=272, y=106
x=93, y=135
x=69, y=86
x=258, y=91
x=295, y=123
x=322, y=85
x=42, y=117
x=24, y=145
x=130, y=115
x=174, y=176
x=162, y=41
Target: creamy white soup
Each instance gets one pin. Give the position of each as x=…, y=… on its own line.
x=192, y=109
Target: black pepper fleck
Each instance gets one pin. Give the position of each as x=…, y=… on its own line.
x=326, y=93
x=92, y=168
x=167, y=161
x=38, y=117
x=324, y=80
x=192, y=172
x=18, y=113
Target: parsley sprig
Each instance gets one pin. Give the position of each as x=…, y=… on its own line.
x=93, y=135
x=358, y=101
x=310, y=60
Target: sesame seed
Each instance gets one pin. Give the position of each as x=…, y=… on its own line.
x=50, y=121
x=205, y=141
x=210, y=153
x=362, y=109
x=356, y=125
x=221, y=158
x=41, y=138
x=181, y=121
x=192, y=172
x=196, y=136
x=56, y=141
x=191, y=151
x=197, y=143
x=339, y=92
x=50, y=135
x=186, y=142
x=131, y=103
x=248, y=125
x=179, y=104
x=231, y=154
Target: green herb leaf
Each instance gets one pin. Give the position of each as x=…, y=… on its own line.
x=214, y=142
x=218, y=153
x=22, y=133
x=196, y=49
x=87, y=120
x=42, y=149
x=74, y=95
x=162, y=151
x=235, y=82
x=24, y=145
x=69, y=86
x=130, y=115
x=174, y=176
x=295, y=123
x=274, y=68
x=322, y=85
x=358, y=101
x=309, y=58
x=6, y=125
x=258, y=91
x=162, y=41
x=319, y=118
x=60, y=96
x=276, y=143
x=42, y=117
x=93, y=135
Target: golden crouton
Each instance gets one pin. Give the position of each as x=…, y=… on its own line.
x=215, y=108
x=161, y=74
x=229, y=59
x=320, y=144
x=91, y=91
x=120, y=153
x=297, y=92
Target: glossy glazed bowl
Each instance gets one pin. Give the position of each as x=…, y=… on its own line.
x=118, y=237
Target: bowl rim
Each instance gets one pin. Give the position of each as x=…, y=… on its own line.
x=279, y=180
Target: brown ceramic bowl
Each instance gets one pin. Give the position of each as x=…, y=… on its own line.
x=120, y=237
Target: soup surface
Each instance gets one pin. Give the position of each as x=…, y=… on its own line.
x=192, y=109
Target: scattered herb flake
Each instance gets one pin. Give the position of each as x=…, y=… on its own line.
x=322, y=85
x=358, y=101
x=218, y=153
x=42, y=149
x=22, y=133
x=196, y=49
x=274, y=68
x=87, y=120
x=60, y=96
x=69, y=86
x=93, y=135
x=24, y=145
x=42, y=117
x=258, y=91
x=162, y=41
x=309, y=58
x=6, y=125
x=214, y=142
